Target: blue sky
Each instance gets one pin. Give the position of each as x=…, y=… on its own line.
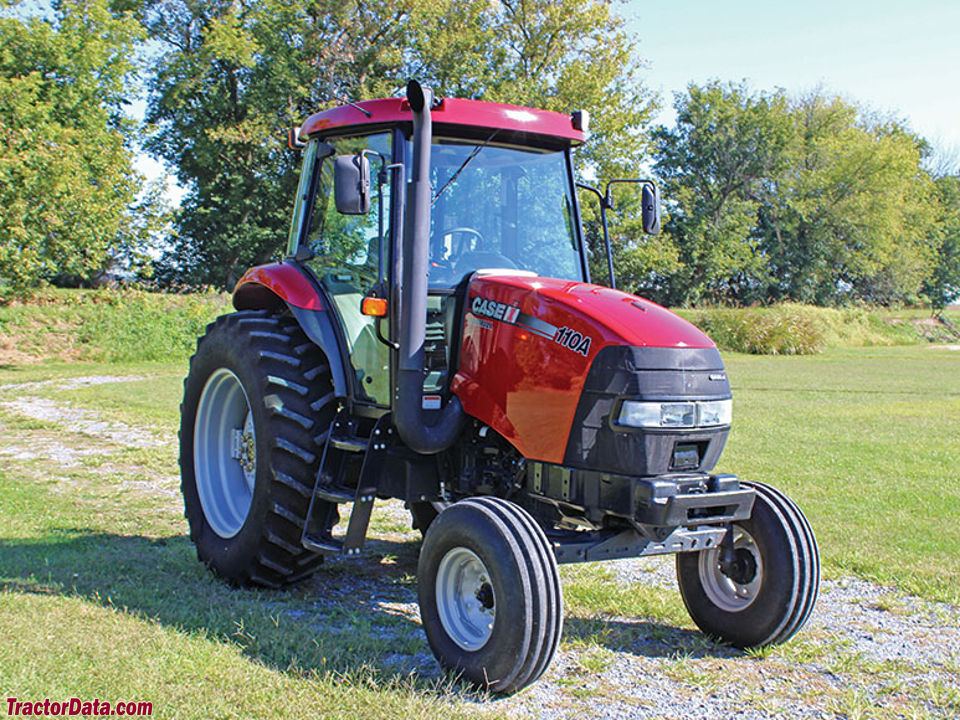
x=896, y=57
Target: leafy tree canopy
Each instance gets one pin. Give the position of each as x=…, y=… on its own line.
x=234, y=74
x=778, y=198
x=66, y=179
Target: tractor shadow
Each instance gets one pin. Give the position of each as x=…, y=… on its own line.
x=646, y=638
x=355, y=617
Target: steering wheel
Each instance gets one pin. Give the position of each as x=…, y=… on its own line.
x=468, y=259
x=464, y=229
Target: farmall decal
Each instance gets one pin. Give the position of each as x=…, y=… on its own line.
x=510, y=314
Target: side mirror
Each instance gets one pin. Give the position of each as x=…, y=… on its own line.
x=293, y=138
x=650, y=209
x=351, y=184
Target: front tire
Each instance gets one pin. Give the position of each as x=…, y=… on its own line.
x=257, y=404
x=770, y=594
x=490, y=596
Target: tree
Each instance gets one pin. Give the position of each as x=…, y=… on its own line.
x=943, y=285
x=728, y=141
x=806, y=199
x=848, y=217
x=236, y=73
x=66, y=176
x=233, y=76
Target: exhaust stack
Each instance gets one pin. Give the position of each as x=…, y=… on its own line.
x=408, y=405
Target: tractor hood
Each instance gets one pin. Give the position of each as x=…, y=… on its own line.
x=598, y=314
x=529, y=343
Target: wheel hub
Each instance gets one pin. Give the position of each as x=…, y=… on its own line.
x=466, y=601
x=243, y=448
x=734, y=585
x=743, y=569
x=485, y=596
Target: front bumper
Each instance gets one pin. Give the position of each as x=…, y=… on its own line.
x=681, y=500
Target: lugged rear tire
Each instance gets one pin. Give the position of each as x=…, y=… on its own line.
x=258, y=373
x=490, y=595
x=778, y=599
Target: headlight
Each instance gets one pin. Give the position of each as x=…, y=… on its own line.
x=715, y=412
x=675, y=414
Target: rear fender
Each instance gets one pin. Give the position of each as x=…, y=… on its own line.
x=283, y=284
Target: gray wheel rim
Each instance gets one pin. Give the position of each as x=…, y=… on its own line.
x=466, y=602
x=723, y=591
x=224, y=453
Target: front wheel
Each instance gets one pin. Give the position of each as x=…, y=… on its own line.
x=489, y=591
x=768, y=592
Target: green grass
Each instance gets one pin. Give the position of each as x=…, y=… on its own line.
x=866, y=442
x=109, y=325
x=101, y=594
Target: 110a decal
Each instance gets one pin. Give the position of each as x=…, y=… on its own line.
x=573, y=340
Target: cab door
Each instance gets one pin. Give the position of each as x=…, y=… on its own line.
x=344, y=252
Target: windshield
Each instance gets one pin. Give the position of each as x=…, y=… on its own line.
x=500, y=207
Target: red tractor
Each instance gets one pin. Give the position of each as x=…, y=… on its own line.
x=432, y=335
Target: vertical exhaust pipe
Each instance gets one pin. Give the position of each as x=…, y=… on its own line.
x=408, y=412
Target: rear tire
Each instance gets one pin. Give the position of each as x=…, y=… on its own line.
x=490, y=596
x=257, y=405
x=780, y=576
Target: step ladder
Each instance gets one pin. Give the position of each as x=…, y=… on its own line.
x=345, y=448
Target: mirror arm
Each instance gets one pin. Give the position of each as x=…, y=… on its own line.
x=605, y=202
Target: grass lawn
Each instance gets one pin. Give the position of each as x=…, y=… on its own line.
x=101, y=594
x=867, y=441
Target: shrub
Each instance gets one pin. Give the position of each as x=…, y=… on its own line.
x=132, y=325
x=110, y=325
x=791, y=329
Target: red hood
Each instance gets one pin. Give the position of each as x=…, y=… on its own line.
x=625, y=318
x=528, y=343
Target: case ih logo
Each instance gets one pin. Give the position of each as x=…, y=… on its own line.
x=495, y=310
x=568, y=338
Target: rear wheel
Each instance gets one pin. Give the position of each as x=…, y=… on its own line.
x=490, y=596
x=258, y=402
x=769, y=591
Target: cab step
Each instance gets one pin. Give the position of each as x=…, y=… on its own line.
x=344, y=448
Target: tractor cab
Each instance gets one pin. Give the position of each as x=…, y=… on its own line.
x=503, y=198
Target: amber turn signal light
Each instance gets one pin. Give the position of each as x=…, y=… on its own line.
x=374, y=306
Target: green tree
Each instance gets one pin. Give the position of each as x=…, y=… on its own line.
x=807, y=199
x=849, y=216
x=66, y=179
x=728, y=141
x=943, y=285
x=234, y=74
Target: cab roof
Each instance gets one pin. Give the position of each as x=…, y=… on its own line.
x=450, y=115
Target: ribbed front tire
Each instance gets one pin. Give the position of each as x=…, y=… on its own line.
x=490, y=596
x=775, y=588
x=257, y=405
